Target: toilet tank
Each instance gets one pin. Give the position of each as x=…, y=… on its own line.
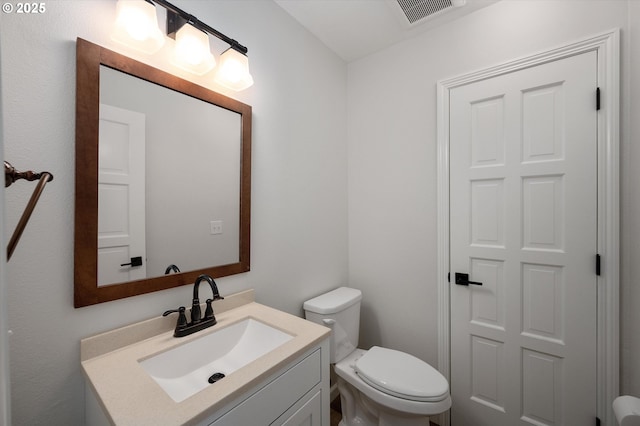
x=339, y=310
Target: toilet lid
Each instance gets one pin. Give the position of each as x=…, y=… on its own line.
x=402, y=375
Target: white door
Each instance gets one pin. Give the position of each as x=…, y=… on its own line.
x=121, y=195
x=523, y=224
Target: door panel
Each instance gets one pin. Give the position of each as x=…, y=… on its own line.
x=523, y=223
x=121, y=195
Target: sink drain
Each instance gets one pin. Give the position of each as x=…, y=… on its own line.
x=215, y=377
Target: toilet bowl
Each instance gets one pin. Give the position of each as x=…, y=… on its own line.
x=379, y=386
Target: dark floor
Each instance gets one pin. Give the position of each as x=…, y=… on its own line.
x=336, y=414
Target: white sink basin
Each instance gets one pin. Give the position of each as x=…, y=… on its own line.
x=186, y=369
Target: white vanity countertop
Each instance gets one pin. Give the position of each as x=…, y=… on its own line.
x=129, y=396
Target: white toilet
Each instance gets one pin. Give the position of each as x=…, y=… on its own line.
x=379, y=386
x=627, y=410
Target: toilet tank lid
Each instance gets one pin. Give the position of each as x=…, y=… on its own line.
x=333, y=301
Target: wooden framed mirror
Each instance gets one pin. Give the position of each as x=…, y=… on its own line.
x=163, y=179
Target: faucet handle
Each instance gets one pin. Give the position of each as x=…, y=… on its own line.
x=182, y=318
x=208, y=313
x=181, y=309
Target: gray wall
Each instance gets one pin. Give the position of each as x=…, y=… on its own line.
x=299, y=217
x=392, y=160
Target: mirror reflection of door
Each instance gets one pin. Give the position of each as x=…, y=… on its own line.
x=121, y=188
x=192, y=169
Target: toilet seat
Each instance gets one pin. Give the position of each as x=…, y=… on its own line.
x=347, y=374
x=401, y=375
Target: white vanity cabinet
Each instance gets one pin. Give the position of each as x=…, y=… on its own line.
x=309, y=413
x=296, y=395
x=287, y=385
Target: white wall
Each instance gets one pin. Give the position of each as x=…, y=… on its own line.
x=392, y=160
x=299, y=217
x=300, y=155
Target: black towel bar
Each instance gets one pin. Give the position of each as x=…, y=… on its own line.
x=10, y=176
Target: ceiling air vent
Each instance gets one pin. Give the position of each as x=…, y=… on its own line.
x=417, y=10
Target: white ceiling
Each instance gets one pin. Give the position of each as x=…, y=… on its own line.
x=356, y=28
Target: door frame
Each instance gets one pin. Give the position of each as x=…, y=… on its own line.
x=5, y=385
x=607, y=46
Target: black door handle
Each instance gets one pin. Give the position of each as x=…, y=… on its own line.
x=463, y=279
x=135, y=261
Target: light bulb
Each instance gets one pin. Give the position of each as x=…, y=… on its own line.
x=192, y=51
x=233, y=72
x=137, y=26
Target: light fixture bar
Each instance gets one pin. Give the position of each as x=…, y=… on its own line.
x=186, y=17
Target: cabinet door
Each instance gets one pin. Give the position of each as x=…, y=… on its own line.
x=267, y=405
x=307, y=415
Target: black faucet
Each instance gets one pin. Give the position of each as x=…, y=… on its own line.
x=173, y=268
x=184, y=328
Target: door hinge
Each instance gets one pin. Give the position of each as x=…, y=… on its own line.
x=448, y=277
x=598, y=99
x=597, y=421
x=598, y=264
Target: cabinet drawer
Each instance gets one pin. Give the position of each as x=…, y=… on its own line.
x=269, y=402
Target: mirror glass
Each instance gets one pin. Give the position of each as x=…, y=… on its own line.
x=162, y=179
x=179, y=197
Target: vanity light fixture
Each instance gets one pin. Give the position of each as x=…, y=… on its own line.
x=192, y=51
